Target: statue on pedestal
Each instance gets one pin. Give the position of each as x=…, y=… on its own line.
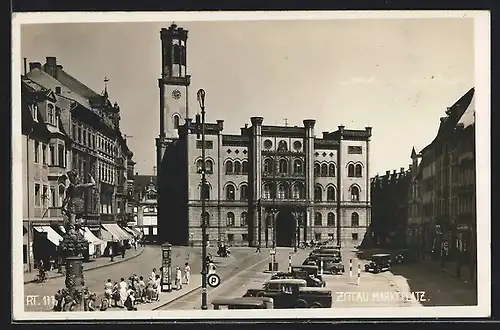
x=74, y=243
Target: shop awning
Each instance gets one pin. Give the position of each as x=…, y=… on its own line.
x=116, y=231
x=90, y=237
x=106, y=236
x=52, y=235
x=130, y=231
x=136, y=231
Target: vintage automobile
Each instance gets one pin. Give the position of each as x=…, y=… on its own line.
x=379, y=263
x=223, y=251
x=404, y=256
x=293, y=293
x=307, y=273
x=243, y=303
x=332, y=263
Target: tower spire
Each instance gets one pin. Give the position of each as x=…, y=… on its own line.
x=105, y=94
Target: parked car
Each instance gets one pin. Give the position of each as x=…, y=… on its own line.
x=307, y=273
x=244, y=303
x=293, y=293
x=332, y=263
x=379, y=263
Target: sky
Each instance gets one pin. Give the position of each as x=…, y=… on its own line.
x=395, y=75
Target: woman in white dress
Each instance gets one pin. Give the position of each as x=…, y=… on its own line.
x=123, y=291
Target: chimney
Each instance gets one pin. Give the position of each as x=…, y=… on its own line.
x=325, y=135
x=58, y=90
x=35, y=65
x=59, y=68
x=402, y=169
x=387, y=173
x=393, y=171
x=51, y=66
x=25, y=65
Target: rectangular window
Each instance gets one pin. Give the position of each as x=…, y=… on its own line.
x=52, y=155
x=84, y=137
x=230, y=238
x=50, y=114
x=53, y=199
x=45, y=196
x=44, y=154
x=244, y=237
x=354, y=236
x=34, y=112
x=37, y=194
x=37, y=151
x=79, y=134
x=61, y=155
x=155, y=231
x=208, y=144
x=317, y=236
x=73, y=131
x=354, y=150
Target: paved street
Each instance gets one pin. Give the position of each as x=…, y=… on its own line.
x=141, y=265
x=235, y=281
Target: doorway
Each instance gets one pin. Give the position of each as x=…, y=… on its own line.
x=285, y=229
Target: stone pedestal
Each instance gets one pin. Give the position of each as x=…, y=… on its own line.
x=74, y=280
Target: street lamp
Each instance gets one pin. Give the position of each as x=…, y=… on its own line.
x=296, y=239
x=200, y=125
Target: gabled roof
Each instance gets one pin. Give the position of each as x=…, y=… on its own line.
x=413, y=153
x=50, y=82
x=74, y=84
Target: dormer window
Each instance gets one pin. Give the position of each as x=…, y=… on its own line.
x=34, y=112
x=51, y=115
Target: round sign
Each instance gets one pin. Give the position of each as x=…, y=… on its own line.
x=213, y=280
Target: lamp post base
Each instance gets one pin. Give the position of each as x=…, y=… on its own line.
x=75, y=281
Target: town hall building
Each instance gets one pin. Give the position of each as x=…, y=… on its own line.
x=268, y=184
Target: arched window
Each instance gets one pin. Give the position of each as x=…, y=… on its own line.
x=267, y=191
x=282, y=146
x=331, y=170
x=243, y=219
x=183, y=55
x=298, y=191
x=318, y=219
x=205, y=216
x=283, y=166
x=331, y=219
x=297, y=166
x=324, y=170
x=318, y=193
x=243, y=192
x=230, y=192
x=354, y=219
x=330, y=194
x=229, y=167
x=237, y=167
x=177, y=54
x=244, y=167
x=354, y=193
x=199, y=166
x=205, y=192
x=230, y=219
x=283, y=191
x=209, y=168
x=176, y=121
x=317, y=170
x=359, y=171
x=268, y=165
x=350, y=171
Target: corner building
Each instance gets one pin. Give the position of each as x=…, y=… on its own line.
x=269, y=183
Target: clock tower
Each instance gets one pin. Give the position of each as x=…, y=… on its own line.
x=174, y=81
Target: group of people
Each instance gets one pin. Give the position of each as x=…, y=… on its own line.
x=136, y=290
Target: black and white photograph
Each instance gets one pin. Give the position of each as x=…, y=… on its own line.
x=208, y=165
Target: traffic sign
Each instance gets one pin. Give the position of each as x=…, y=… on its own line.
x=213, y=280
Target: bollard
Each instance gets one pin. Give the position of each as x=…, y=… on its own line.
x=290, y=263
x=350, y=268
x=321, y=266
x=359, y=273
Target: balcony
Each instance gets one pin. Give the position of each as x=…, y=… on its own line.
x=284, y=175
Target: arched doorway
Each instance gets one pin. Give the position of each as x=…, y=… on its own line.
x=285, y=229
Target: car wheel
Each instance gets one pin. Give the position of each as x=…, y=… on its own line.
x=316, y=305
x=333, y=272
x=300, y=303
x=260, y=294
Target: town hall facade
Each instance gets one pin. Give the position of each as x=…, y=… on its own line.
x=269, y=184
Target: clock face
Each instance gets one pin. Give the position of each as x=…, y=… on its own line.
x=176, y=94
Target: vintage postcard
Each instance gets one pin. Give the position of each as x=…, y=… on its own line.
x=220, y=165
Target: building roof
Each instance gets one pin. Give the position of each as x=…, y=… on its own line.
x=74, y=84
x=468, y=117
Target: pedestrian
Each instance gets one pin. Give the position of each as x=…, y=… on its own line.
x=58, y=297
x=116, y=295
x=142, y=289
x=135, y=244
x=153, y=273
x=149, y=290
x=123, y=291
x=187, y=272
x=158, y=287
x=108, y=289
x=123, y=250
x=258, y=249
x=178, y=278
x=129, y=302
x=112, y=250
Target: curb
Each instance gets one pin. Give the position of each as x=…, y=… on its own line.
x=176, y=298
x=96, y=267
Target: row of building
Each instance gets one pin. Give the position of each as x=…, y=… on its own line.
x=66, y=125
x=431, y=207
